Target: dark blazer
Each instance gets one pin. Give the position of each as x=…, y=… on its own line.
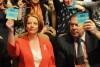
x=65, y=57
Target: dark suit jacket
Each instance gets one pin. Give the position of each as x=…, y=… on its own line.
x=65, y=57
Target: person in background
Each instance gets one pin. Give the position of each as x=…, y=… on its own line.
x=80, y=47
x=4, y=57
x=32, y=50
x=39, y=8
x=94, y=9
x=64, y=10
x=50, y=6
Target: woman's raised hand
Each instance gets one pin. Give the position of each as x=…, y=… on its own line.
x=10, y=25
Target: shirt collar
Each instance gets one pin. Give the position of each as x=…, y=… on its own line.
x=83, y=37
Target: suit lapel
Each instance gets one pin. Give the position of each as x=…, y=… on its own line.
x=30, y=55
x=68, y=46
x=88, y=43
